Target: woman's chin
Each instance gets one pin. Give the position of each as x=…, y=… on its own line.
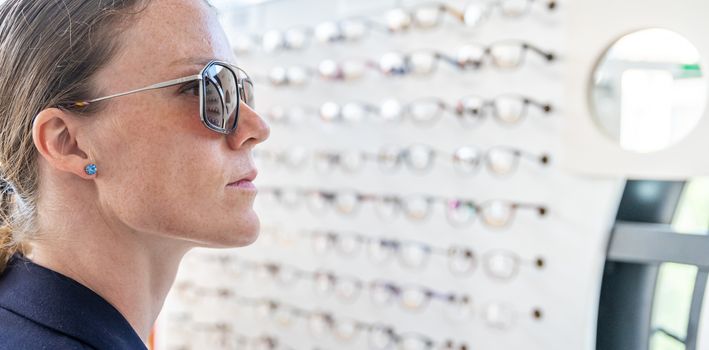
x=242, y=236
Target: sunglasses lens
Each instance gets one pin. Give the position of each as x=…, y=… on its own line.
x=248, y=93
x=213, y=112
x=221, y=98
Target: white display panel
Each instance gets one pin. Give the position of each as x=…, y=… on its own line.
x=593, y=26
x=554, y=306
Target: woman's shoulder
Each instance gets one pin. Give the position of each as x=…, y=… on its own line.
x=18, y=332
x=43, y=309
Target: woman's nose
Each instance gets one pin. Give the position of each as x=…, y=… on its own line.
x=251, y=129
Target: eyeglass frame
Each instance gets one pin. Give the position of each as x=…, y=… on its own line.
x=197, y=77
x=396, y=247
x=457, y=13
x=279, y=115
x=406, y=70
x=400, y=203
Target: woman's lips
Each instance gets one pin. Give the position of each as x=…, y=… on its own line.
x=246, y=181
x=245, y=184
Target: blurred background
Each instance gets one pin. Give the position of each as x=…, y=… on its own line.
x=412, y=194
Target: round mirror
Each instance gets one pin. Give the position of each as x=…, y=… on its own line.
x=648, y=91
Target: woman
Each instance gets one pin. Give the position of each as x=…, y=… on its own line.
x=111, y=168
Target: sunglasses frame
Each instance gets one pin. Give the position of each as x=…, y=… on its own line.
x=202, y=78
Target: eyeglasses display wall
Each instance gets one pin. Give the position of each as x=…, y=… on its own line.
x=410, y=194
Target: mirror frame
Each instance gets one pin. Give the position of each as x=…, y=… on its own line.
x=588, y=149
x=602, y=59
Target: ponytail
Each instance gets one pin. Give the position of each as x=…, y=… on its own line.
x=8, y=245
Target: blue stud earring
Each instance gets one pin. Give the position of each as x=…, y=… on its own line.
x=90, y=169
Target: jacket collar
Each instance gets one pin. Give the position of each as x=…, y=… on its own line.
x=64, y=305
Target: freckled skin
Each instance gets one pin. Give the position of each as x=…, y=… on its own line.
x=161, y=186
x=160, y=170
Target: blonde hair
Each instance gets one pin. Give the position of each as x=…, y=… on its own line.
x=49, y=52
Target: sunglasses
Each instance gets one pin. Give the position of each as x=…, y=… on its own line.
x=222, y=88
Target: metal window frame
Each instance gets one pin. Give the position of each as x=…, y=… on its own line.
x=642, y=239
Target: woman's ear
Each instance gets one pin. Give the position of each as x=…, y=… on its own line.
x=54, y=133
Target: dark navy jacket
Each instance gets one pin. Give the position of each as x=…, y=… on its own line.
x=42, y=309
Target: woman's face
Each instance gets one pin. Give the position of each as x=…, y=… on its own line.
x=160, y=170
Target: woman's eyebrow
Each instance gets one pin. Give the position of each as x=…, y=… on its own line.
x=192, y=61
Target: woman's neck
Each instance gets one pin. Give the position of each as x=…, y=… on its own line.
x=133, y=272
